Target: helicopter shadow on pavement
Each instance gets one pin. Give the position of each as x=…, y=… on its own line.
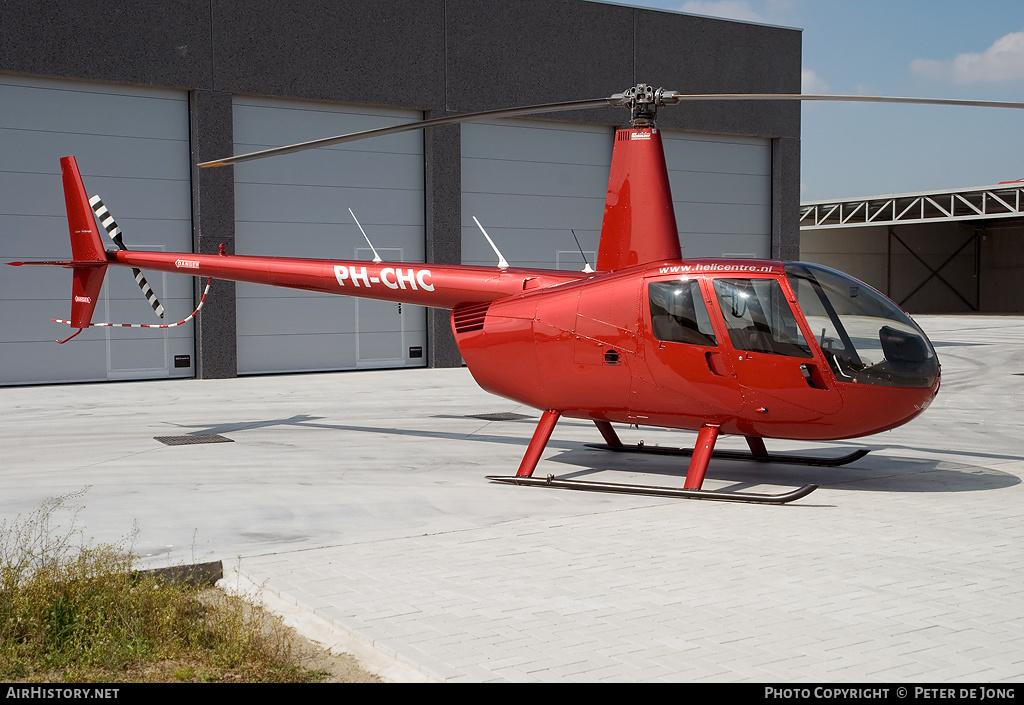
x=877, y=472
x=520, y=436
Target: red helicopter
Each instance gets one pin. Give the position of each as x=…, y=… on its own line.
x=758, y=348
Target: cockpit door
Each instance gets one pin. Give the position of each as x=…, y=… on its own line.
x=780, y=377
x=684, y=357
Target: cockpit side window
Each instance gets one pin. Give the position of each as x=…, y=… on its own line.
x=759, y=318
x=678, y=313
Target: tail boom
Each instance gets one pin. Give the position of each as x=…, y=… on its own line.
x=444, y=286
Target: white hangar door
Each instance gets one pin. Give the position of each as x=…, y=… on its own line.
x=298, y=206
x=721, y=193
x=533, y=183
x=132, y=147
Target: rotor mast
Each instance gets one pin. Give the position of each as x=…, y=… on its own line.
x=639, y=223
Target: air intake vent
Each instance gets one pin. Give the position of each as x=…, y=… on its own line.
x=470, y=317
x=622, y=135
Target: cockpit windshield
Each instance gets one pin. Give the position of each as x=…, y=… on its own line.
x=865, y=337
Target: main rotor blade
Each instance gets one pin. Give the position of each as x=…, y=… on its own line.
x=679, y=97
x=395, y=129
x=665, y=97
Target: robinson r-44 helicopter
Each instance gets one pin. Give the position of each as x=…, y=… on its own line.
x=757, y=348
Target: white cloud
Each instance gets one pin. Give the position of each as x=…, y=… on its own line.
x=811, y=83
x=1003, y=61
x=729, y=9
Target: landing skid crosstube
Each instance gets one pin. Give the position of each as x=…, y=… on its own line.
x=700, y=456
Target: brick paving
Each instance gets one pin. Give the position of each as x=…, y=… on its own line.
x=903, y=567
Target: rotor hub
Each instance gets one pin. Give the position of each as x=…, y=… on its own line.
x=643, y=102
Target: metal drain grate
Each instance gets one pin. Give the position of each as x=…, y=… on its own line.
x=191, y=440
x=503, y=416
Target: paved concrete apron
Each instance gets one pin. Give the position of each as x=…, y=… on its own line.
x=360, y=499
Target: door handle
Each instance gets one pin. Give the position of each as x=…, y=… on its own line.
x=812, y=375
x=716, y=364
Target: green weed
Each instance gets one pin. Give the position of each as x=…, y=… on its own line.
x=70, y=611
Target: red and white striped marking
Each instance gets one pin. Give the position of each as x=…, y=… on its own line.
x=147, y=325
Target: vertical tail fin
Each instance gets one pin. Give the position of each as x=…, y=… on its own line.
x=87, y=251
x=639, y=222
x=86, y=243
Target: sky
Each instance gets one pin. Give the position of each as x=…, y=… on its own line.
x=917, y=48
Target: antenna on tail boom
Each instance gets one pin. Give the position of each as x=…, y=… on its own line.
x=587, y=269
x=502, y=264
x=376, y=257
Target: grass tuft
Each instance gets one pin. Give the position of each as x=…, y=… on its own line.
x=74, y=612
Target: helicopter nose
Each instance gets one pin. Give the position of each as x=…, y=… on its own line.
x=869, y=409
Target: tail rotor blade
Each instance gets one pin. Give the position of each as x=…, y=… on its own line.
x=107, y=221
x=110, y=225
x=148, y=292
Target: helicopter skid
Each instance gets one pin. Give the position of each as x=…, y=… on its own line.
x=655, y=491
x=739, y=455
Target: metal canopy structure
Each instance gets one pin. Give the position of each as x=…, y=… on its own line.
x=979, y=203
x=952, y=250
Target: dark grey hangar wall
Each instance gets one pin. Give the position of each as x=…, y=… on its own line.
x=140, y=92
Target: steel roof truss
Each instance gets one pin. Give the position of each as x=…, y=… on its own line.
x=990, y=202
